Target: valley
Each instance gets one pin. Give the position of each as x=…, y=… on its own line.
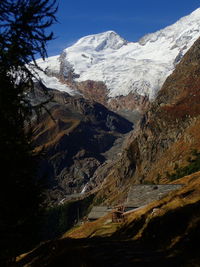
x=78, y=137
x=121, y=117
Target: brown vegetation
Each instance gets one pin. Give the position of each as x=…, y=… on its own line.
x=164, y=232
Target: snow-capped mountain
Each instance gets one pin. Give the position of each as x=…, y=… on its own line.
x=127, y=67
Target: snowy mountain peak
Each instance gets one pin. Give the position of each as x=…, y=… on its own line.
x=127, y=67
x=181, y=32
x=100, y=41
x=195, y=14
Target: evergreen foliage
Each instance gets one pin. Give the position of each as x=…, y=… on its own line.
x=23, y=25
x=56, y=220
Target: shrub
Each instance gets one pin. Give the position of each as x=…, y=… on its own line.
x=193, y=166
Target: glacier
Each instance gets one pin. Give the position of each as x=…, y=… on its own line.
x=125, y=67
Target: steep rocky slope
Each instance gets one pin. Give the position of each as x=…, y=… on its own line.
x=167, y=134
x=74, y=140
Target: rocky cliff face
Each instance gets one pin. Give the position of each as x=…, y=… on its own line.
x=174, y=113
x=97, y=91
x=168, y=132
x=74, y=140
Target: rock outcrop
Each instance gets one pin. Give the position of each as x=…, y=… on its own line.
x=74, y=139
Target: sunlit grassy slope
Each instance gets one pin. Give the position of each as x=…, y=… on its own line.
x=165, y=232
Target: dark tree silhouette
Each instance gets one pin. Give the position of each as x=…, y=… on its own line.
x=23, y=35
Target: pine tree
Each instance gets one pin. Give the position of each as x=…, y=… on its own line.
x=23, y=25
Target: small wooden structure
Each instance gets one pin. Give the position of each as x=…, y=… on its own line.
x=117, y=214
x=138, y=197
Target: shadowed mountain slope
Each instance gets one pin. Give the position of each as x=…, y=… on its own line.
x=73, y=140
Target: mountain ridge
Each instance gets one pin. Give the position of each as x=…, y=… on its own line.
x=138, y=68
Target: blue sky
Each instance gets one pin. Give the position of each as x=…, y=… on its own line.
x=131, y=19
